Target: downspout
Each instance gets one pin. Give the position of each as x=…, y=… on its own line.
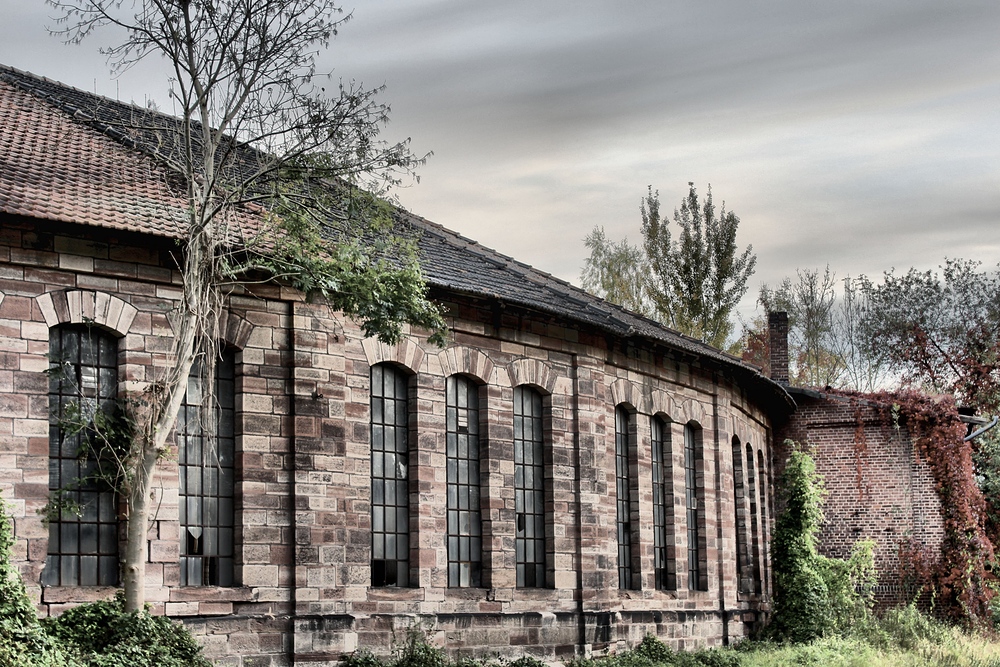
x=293, y=488
x=578, y=488
x=718, y=510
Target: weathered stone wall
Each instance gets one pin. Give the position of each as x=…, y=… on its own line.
x=303, y=465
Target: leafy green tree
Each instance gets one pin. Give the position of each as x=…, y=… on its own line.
x=698, y=278
x=256, y=130
x=617, y=272
x=942, y=330
x=691, y=283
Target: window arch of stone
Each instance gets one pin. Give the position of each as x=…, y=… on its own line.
x=87, y=307
x=664, y=520
x=695, y=509
x=532, y=372
x=532, y=488
x=465, y=449
x=626, y=496
x=462, y=360
x=624, y=391
x=406, y=353
x=391, y=404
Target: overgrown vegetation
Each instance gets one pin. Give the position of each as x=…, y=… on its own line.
x=100, y=634
x=814, y=595
x=961, y=574
x=902, y=637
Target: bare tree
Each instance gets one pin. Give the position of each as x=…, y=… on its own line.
x=254, y=128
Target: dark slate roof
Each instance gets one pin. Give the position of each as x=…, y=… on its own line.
x=108, y=177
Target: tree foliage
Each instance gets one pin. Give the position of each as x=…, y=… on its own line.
x=616, y=271
x=272, y=166
x=698, y=278
x=691, y=282
x=942, y=330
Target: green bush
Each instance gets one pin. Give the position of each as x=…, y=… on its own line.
x=23, y=642
x=105, y=635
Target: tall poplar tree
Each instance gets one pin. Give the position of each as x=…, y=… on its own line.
x=690, y=282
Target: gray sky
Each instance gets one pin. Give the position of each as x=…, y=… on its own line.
x=865, y=135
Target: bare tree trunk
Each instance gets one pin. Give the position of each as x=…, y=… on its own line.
x=193, y=325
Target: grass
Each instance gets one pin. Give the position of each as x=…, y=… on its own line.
x=902, y=637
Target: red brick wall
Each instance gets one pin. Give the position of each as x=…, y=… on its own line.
x=303, y=465
x=878, y=487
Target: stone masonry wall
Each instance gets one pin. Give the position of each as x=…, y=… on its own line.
x=303, y=466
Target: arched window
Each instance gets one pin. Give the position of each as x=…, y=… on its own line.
x=624, y=437
x=390, y=477
x=529, y=488
x=694, y=499
x=739, y=502
x=465, y=533
x=205, y=460
x=754, y=519
x=664, y=557
x=762, y=504
x=83, y=383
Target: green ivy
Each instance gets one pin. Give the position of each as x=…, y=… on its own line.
x=813, y=595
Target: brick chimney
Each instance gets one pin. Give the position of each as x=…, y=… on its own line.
x=777, y=343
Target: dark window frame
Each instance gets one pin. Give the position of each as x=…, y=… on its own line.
x=207, y=478
x=626, y=496
x=464, y=536
x=664, y=548
x=83, y=550
x=530, y=489
x=754, y=519
x=390, y=500
x=739, y=501
x=694, y=493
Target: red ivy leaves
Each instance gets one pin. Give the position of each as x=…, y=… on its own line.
x=961, y=575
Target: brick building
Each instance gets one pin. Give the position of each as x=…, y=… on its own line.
x=878, y=486
x=563, y=476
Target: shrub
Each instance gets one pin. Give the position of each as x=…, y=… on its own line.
x=105, y=635
x=23, y=642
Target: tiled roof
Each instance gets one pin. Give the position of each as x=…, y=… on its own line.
x=64, y=156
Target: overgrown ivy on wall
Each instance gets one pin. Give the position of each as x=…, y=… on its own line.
x=959, y=576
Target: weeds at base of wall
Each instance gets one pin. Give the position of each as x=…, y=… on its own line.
x=416, y=651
